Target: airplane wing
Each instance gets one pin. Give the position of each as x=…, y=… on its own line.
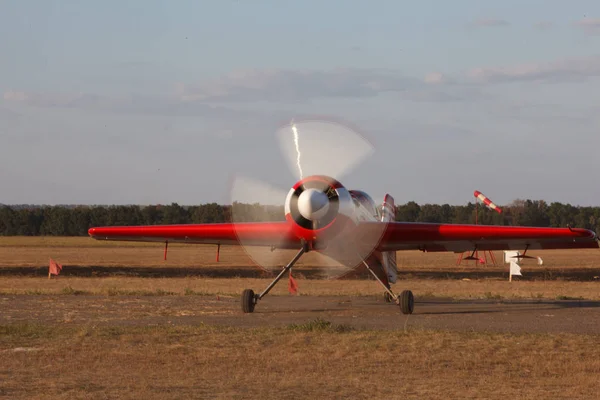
x=251, y=233
x=397, y=236
x=460, y=238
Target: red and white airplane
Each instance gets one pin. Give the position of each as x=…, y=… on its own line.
x=322, y=215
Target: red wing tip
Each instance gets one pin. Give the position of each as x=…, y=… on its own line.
x=587, y=232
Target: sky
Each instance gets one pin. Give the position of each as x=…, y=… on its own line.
x=154, y=102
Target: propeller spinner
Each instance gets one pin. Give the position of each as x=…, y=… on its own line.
x=313, y=204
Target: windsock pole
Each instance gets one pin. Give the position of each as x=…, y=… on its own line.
x=492, y=206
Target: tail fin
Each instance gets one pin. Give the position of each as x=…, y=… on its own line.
x=388, y=214
x=388, y=209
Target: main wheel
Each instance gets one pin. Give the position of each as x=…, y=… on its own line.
x=248, y=301
x=407, y=302
x=388, y=297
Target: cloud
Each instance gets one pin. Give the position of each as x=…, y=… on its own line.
x=560, y=70
x=12, y=95
x=230, y=94
x=430, y=96
x=133, y=64
x=589, y=25
x=434, y=78
x=277, y=85
x=167, y=105
x=242, y=86
x=489, y=22
x=544, y=25
x=8, y=116
x=40, y=99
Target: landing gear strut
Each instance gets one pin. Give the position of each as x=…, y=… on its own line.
x=249, y=299
x=387, y=297
x=406, y=300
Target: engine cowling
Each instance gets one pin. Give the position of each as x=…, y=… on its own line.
x=319, y=208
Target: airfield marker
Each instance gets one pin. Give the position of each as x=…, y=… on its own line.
x=292, y=284
x=54, y=268
x=515, y=269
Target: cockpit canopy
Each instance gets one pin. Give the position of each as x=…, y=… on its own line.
x=361, y=198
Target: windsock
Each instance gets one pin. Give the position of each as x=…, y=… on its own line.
x=487, y=202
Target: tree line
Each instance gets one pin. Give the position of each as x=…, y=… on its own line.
x=30, y=220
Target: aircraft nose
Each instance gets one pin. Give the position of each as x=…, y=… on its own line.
x=313, y=204
x=91, y=231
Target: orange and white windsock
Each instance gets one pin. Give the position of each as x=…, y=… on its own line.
x=487, y=201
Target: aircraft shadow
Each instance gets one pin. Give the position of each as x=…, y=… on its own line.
x=142, y=272
x=301, y=310
x=533, y=273
x=455, y=307
x=505, y=306
x=571, y=274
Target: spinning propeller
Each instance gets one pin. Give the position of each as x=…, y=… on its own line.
x=318, y=208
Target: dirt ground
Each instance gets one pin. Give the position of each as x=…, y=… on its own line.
x=120, y=322
x=191, y=287
x=517, y=316
x=29, y=256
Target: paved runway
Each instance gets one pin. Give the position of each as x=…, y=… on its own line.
x=360, y=312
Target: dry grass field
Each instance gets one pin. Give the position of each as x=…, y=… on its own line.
x=123, y=267
x=83, y=251
x=313, y=359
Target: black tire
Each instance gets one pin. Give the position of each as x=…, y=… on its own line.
x=407, y=302
x=388, y=297
x=248, y=301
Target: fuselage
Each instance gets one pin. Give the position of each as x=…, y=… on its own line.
x=343, y=224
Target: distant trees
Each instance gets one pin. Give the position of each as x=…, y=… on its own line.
x=518, y=213
x=32, y=220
